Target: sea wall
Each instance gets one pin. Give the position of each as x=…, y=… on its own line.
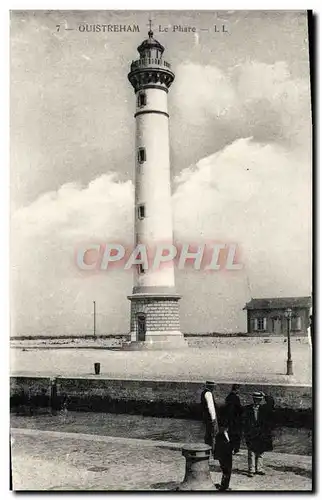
x=157, y=398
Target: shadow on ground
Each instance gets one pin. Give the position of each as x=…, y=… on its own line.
x=169, y=485
x=295, y=470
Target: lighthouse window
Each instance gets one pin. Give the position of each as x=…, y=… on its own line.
x=141, y=211
x=141, y=99
x=141, y=155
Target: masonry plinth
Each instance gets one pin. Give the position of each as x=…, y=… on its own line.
x=155, y=320
x=162, y=322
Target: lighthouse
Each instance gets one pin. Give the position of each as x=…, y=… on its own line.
x=155, y=320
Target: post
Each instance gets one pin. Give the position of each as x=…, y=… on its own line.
x=94, y=319
x=311, y=338
x=289, y=362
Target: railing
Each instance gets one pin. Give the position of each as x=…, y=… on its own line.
x=147, y=62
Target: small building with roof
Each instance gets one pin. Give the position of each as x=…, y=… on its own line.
x=266, y=316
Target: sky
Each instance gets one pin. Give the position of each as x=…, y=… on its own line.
x=240, y=134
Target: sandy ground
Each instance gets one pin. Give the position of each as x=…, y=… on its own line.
x=43, y=460
x=233, y=359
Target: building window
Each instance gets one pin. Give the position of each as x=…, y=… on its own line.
x=141, y=99
x=141, y=211
x=141, y=155
x=260, y=324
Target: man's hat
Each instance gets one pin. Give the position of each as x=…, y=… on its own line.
x=258, y=395
x=210, y=384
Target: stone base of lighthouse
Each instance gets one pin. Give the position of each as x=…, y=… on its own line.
x=155, y=322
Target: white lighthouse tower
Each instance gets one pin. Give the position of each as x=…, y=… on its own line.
x=155, y=321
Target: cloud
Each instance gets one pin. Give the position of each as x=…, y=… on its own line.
x=254, y=194
x=97, y=210
x=258, y=196
x=250, y=193
x=50, y=295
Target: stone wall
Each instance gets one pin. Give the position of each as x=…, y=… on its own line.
x=158, y=398
x=161, y=314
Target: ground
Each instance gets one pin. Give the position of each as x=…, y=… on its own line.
x=47, y=460
x=126, y=452
x=246, y=359
x=173, y=430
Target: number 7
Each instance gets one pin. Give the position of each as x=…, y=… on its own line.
x=58, y=27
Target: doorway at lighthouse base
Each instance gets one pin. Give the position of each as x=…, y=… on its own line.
x=155, y=323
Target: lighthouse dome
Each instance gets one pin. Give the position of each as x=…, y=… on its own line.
x=150, y=68
x=150, y=43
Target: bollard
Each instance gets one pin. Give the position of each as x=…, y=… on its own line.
x=97, y=368
x=197, y=476
x=53, y=395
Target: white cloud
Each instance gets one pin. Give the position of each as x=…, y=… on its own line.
x=50, y=294
x=96, y=211
x=256, y=195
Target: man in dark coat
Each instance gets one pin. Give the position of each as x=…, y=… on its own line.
x=257, y=425
x=223, y=450
x=234, y=417
x=209, y=413
x=269, y=401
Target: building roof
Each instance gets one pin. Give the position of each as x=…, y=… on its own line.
x=279, y=303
